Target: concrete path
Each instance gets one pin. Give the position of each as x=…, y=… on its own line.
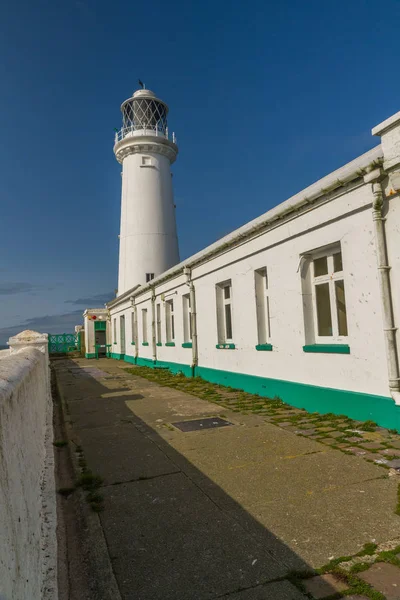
x=219, y=513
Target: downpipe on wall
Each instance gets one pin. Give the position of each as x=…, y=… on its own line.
x=193, y=319
x=389, y=328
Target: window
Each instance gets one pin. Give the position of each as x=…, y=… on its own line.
x=149, y=277
x=158, y=310
x=262, y=306
x=133, y=323
x=146, y=161
x=224, y=312
x=115, y=331
x=187, y=319
x=328, y=297
x=169, y=320
x=144, y=325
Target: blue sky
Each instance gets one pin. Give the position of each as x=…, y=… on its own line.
x=265, y=98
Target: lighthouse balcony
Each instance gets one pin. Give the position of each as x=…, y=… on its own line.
x=132, y=131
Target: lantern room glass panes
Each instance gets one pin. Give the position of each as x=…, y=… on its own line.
x=145, y=113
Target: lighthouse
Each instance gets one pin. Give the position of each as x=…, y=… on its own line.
x=148, y=239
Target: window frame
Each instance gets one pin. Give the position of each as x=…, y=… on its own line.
x=115, y=331
x=169, y=321
x=263, y=314
x=222, y=303
x=158, y=324
x=145, y=338
x=187, y=319
x=330, y=278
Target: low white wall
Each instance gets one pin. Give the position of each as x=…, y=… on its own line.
x=27, y=495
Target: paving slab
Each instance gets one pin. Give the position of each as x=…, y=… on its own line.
x=385, y=578
x=122, y=454
x=323, y=586
x=281, y=590
x=170, y=538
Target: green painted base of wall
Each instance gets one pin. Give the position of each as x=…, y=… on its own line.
x=90, y=355
x=359, y=406
x=117, y=356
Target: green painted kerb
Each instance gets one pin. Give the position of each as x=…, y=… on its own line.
x=359, y=406
x=90, y=355
x=117, y=356
x=225, y=346
x=170, y=344
x=328, y=348
x=264, y=347
x=187, y=345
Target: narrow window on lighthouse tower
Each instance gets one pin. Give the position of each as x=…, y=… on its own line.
x=149, y=277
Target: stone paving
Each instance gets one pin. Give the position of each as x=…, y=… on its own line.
x=283, y=504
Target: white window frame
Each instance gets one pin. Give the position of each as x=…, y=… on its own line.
x=187, y=318
x=133, y=327
x=158, y=323
x=331, y=277
x=222, y=302
x=115, y=330
x=149, y=277
x=169, y=321
x=145, y=339
x=262, y=306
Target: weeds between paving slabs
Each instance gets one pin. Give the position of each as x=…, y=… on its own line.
x=87, y=481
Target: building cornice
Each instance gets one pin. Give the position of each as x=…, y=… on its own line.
x=143, y=144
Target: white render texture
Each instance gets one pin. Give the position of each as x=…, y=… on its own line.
x=28, y=549
x=148, y=238
x=335, y=210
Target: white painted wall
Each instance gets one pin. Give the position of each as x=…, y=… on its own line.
x=27, y=495
x=336, y=210
x=148, y=239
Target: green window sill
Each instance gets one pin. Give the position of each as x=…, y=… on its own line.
x=133, y=343
x=159, y=344
x=225, y=346
x=170, y=344
x=115, y=343
x=145, y=343
x=328, y=348
x=187, y=345
x=264, y=347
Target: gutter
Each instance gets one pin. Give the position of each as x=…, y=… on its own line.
x=389, y=328
x=335, y=180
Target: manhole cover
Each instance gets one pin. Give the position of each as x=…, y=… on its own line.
x=198, y=424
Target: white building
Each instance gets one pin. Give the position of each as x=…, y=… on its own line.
x=302, y=302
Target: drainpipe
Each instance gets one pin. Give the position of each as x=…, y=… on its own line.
x=193, y=319
x=153, y=324
x=108, y=333
x=389, y=328
x=135, y=329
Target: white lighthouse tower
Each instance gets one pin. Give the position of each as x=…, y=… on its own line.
x=148, y=239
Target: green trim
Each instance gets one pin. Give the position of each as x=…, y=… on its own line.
x=130, y=359
x=133, y=343
x=170, y=344
x=117, y=356
x=187, y=345
x=225, y=346
x=328, y=348
x=357, y=405
x=100, y=325
x=115, y=343
x=145, y=343
x=90, y=355
x=159, y=344
x=264, y=347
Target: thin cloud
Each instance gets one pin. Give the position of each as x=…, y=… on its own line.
x=64, y=323
x=20, y=287
x=92, y=301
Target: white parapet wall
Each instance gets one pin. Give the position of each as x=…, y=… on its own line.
x=28, y=549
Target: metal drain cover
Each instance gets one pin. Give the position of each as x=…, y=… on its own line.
x=199, y=424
